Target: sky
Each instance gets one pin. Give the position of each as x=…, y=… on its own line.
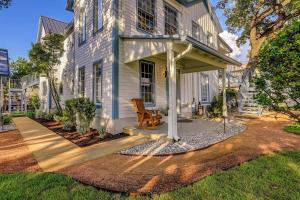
x=19, y=25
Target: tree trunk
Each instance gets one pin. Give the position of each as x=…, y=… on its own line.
x=54, y=94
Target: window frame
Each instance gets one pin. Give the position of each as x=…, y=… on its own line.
x=148, y=104
x=177, y=18
x=98, y=104
x=81, y=83
x=207, y=88
x=96, y=27
x=154, y=18
x=197, y=36
x=82, y=34
x=208, y=37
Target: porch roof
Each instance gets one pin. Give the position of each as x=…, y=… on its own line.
x=160, y=46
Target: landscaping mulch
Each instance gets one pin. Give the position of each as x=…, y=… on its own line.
x=156, y=174
x=77, y=138
x=15, y=155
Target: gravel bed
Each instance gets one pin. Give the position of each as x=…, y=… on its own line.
x=186, y=143
x=9, y=127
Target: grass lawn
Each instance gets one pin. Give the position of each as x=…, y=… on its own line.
x=293, y=128
x=270, y=177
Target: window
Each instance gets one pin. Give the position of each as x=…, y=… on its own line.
x=98, y=15
x=195, y=30
x=81, y=81
x=210, y=39
x=146, y=15
x=204, y=87
x=171, y=20
x=97, y=83
x=82, y=28
x=147, y=79
x=45, y=88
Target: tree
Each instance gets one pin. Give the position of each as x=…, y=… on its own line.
x=4, y=3
x=256, y=21
x=278, y=80
x=21, y=67
x=45, y=57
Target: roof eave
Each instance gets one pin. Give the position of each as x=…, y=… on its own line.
x=212, y=51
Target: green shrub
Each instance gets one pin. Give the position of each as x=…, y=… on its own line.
x=215, y=108
x=69, y=114
x=34, y=103
x=85, y=113
x=7, y=119
x=30, y=114
x=19, y=114
x=79, y=113
x=49, y=117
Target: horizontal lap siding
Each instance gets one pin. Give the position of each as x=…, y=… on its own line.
x=130, y=86
x=96, y=47
x=191, y=86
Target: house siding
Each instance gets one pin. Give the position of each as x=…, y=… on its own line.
x=96, y=47
x=190, y=86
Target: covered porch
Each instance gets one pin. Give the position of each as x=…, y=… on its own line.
x=181, y=55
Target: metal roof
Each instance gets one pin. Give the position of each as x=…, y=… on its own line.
x=53, y=26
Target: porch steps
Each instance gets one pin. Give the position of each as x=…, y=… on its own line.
x=134, y=131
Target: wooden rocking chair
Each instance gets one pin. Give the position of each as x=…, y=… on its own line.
x=151, y=117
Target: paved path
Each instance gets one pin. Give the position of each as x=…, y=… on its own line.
x=54, y=152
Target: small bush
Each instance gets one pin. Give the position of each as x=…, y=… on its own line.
x=49, y=117
x=7, y=119
x=30, y=114
x=19, y=114
x=69, y=113
x=215, y=108
x=34, y=103
x=79, y=113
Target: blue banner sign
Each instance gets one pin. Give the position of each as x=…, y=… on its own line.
x=4, y=63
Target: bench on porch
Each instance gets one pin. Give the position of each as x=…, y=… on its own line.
x=152, y=118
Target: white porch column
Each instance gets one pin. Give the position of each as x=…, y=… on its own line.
x=172, y=113
x=224, y=92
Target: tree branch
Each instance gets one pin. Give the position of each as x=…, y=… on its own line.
x=272, y=9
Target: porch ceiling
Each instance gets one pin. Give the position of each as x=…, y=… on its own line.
x=201, y=58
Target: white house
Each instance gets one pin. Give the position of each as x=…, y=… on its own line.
x=166, y=52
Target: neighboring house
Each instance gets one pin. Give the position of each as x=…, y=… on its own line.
x=166, y=52
x=48, y=26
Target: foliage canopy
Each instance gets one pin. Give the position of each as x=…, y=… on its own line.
x=278, y=80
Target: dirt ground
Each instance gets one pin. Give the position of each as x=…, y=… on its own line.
x=14, y=154
x=138, y=174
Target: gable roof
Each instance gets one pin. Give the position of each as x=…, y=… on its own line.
x=53, y=26
x=50, y=26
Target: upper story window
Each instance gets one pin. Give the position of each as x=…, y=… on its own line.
x=195, y=30
x=147, y=82
x=98, y=15
x=82, y=28
x=146, y=15
x=210, y=39
x=97, y=83
x=171, y=20
x=81, y=81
